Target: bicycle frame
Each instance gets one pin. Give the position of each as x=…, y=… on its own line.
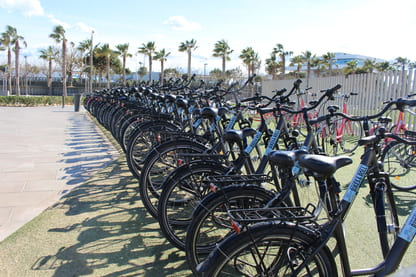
x=334, y=228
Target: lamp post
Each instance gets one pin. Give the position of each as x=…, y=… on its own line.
x=205, y=72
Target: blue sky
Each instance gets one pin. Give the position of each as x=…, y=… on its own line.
x=378, y=28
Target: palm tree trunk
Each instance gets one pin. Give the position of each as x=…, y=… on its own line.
x=223, y=66
x=17, y=54
x=9, y=70
x=50, y=77
x=162, y=68
x=107, y=71
x=64, y=90
x=189, y=63
x=283, y=66
x=124, y=70
x=150, y=67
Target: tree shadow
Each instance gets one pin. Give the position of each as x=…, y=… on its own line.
x=115, y=235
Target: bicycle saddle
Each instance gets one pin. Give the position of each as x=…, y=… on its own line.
x=282, y=158
x=237, y=136
x=323, y=166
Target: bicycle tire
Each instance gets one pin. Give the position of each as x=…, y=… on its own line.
x=351, y=134
x=211, y=216
x=159, y=163
x=399, y=160
x=278, y=248
x=146, y=136
x=181, y=193
x=390, y=221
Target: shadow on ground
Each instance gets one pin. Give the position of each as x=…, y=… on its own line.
x=100, y=228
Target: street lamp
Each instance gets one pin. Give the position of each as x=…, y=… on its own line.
x=205, y=71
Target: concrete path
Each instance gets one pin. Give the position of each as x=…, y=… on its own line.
x=44, y=153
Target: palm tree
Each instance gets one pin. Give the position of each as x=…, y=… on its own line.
x=84, y=47
x=222, y=50
x=383, y=66
x=49, y=54
x=272, y=66
x=369, y=65
x=401, y=63
x=6, y=40
x=249, y=56
x=329, y=59
x=123, y=51
x=279, y=50
x=319, y=64
x=148, y=49
x=106, y=52
x=162, y=56
x=351, y=67
x=188, y=46
x=298, y=62
x=58, y=35
x=15, y=40
x=308, y=58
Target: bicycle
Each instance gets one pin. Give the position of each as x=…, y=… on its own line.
x=300, y=243
x=340, y=133
x=207, y=226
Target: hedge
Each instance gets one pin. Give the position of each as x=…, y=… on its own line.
x=32, y=101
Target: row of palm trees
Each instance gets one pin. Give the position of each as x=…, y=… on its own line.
x=10, y=40
x=275, y=65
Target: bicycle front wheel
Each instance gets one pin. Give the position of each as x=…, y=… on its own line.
x=268, y=249
x=399, y=160
x=351, y=134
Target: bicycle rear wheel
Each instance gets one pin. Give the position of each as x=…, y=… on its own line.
x=210, y=221
x=269, y=249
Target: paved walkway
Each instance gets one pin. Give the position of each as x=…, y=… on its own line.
x=44, y=153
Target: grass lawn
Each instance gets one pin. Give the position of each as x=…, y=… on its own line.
x=101, y=229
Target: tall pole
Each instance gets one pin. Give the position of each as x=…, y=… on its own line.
x=91, y=56
x=26, y=83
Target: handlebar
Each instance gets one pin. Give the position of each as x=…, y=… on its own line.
x=400, y=104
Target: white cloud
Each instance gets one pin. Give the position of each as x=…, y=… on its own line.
x=181, y=23
x=26, y=7
x=56, y=21
x=84, y=27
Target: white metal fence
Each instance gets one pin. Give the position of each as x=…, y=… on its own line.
x=373, y=90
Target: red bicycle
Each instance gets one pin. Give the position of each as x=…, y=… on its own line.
x=340, y=133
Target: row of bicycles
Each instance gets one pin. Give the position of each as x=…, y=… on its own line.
x=245, y=197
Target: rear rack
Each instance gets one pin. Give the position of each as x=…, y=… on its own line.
x=223, y=180
x=292, y=214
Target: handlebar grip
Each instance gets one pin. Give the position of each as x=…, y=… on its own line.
x=337, y=87
x=401, y=103
x=279, y=92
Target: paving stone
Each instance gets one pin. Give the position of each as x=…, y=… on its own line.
x=44, y=153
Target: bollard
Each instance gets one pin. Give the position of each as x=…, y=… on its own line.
x=77, y=101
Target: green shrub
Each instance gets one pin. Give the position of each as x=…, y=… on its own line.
x=31, y=101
